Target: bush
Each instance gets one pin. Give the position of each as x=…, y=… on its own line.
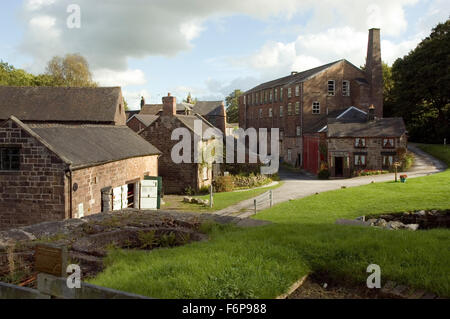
x=324, y=174
x=250, y=181
x=368, y=172
x=224, y=184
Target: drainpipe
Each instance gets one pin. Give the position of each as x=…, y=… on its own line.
x=70, y=192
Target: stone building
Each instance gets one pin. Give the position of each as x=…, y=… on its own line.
x=211, y=111
x=178, y=177
x=368, y=144
x=68, y=155
x=301, y=103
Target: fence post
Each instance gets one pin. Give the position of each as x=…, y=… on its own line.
x=211, y=198
x=254, y=202
x=271, y=198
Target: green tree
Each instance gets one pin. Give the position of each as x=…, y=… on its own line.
x=71, y=70
x=421, y=82
x=232, y=104
x=190, y=100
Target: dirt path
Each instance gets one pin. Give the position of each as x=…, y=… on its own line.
x=297, y=185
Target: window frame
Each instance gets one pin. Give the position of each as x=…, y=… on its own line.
x=359, y=163
x=388, y=138
x=333, y=92
x=297, y=90
x=289, y=92
x=281, y=110
x=298, y=130
x=289, y=109
x=359, y=139
x=260, y=113
x=345, y=88
x=316, y=108
x=297, y=108
x=6, y=156
x=270, y=112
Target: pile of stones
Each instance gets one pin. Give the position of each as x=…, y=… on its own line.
x=191, y=200
x=392, y=225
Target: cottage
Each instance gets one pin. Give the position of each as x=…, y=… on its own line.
x=178, y=177
x=70, y=156
x=211, y=111
x=373, y=144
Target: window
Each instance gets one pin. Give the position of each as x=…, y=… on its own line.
x=297, y=90
x=9, y=159
x=289, y=92
x=299, y=131
x=289, y=155
x=388, y=161
x=281, y=111
x=331, y=88
x=346, y=88
x=276, y=95
x=260, y=113
x=388, y=143
x=245, y=100
x=265, y=96
x=316, y=108
x=271, y=95
x=290, y=109
x=360, y=160
x=297, y=108
x=270, y=112
x=281, y=135
x=281, y=94
x=360, y=142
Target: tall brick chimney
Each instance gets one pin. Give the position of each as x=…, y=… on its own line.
x=374, y=71
x=169, y=105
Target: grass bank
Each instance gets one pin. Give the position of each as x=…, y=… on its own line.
x=263, y=262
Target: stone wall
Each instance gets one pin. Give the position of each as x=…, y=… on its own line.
x=35, y=193
x=345, y=147
x=176, y=177
x=90, y=181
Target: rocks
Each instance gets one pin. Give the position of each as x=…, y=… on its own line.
x=188, y=200
x=412, y=227
x=378, y=222
x=191, y=200
x=395, y=225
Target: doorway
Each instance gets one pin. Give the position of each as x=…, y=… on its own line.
x=339, y=166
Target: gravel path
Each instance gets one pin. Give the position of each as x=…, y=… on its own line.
x=297, y=185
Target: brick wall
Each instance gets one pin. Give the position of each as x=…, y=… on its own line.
x=135, y=124
x=92, y=180
x=36, y=192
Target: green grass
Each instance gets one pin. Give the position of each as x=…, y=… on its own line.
x=263, y=262
x=224, y=200
x=439, y=151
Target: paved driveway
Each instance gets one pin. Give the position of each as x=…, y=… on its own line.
x=297, y=185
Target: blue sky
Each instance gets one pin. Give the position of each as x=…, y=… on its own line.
x=210, y=47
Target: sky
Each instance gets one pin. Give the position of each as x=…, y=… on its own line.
x=207, y=47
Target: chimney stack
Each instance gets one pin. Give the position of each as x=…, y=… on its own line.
x=374, y=71
x=142, y=102
x=169, y=105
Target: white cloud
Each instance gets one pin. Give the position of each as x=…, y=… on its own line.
x=133, y=98
x=107, y=77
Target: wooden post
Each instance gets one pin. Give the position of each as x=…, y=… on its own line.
x=396, y=165
x=211, y=197
x=271, y=198
x=254, y=202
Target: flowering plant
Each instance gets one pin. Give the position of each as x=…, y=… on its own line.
x=404, y=176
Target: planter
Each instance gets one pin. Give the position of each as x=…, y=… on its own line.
x=403, y=180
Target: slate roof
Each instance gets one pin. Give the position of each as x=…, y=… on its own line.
x=60, y=104
x=296, y=78
x=90, y=145
x=154, y=109
x=146, y=119
x=209, y=108
x=386, y=127
x=350, y=114
x=189, y=120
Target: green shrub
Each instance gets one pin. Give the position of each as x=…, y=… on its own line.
x=147, y=239
x=324, y=174
x=168, y=240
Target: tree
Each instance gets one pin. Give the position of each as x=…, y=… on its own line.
x=190, y=100
x=421, y=82
x=232, y=104
x=71, y=70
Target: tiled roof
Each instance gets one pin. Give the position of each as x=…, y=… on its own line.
x=292, y=79
x=146, y=119
x=90, y=145
x=60, y=104
x=386, y=127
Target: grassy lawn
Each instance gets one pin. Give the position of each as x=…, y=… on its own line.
x=222, y=200
x=263, y=262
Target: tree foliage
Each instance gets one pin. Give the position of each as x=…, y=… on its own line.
x=232, y=104
x=420, y=91
x=71, y=70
